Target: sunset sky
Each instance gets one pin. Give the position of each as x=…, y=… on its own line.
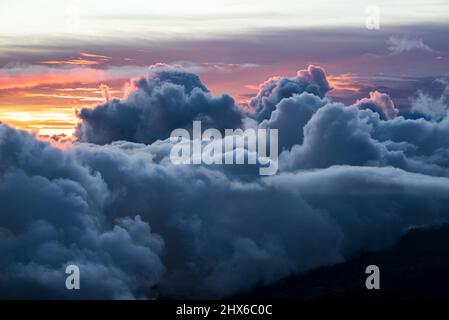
x=350, y=103
x=56, y=57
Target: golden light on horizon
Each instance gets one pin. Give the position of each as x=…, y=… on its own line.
x=41, y=122
x=44, y=101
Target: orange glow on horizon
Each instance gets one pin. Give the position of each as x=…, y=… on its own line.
x=41, y=122
x=344, y=82
x=49, y=110
x=62, y=96
x=55, y=77
x=43, y=99
x=92, y=60
x=92, y=55
x=72, y=62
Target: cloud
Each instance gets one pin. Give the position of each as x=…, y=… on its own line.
x=58, y=220
x=291, y=115
x=380, y=103
x=84, y=59
x=168, y=99
x=350, y=180
x=272, y=91
x=336, y=135
x=229, y=233
x=435, y=108
x=105, y=92
x=27, y=76
x=400, y=45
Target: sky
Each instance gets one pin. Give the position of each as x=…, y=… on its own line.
x=56, y=57
x=358, y=92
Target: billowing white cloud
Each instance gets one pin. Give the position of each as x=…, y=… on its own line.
x=398, y=45
x=435, y=108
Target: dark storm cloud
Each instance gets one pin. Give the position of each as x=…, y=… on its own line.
x=167, y=100
x=224, y=235
x=336, y=135
x=351, y=179
x=51, y=216
x=291, y=115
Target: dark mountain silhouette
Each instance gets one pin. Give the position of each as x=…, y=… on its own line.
x=416, y=268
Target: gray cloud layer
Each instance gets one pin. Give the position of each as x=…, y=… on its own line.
x=313, y=80
x=52, y=214
x=167, y=100
x=351, y=179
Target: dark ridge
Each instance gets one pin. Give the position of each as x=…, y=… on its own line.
x=416, y=268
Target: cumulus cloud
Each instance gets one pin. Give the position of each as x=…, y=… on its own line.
x=271, y=92
x=51, y=216
x=435, y=108
x=105, y=92
x=338, y=135
x=351, y=179
x=398, y=45
x=380, y=103
x=168, y=99
x=291, y=115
